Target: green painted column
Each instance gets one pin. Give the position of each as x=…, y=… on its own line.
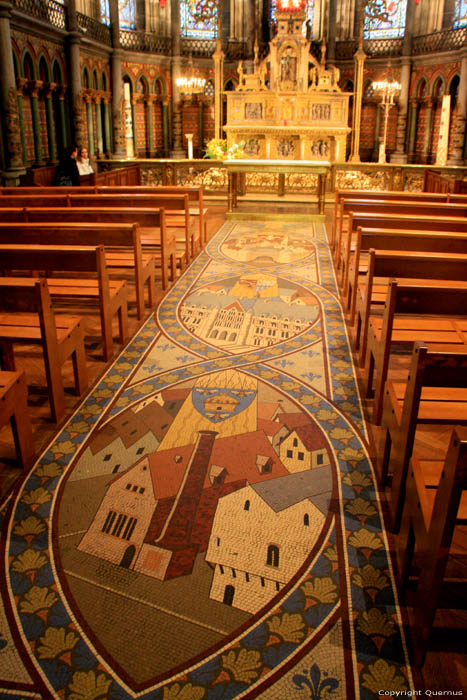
x=150, y=119
x=49, y=115
x=412, y=129
x=20, y=85
x=90, y=126
x=427, y=135
x=34, y=86
x=100, y=145
x=107, y=130
x=63, y=121
x=165, y=125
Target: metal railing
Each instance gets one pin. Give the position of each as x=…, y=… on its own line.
x=93, y=29
x=51, y=11
x=439, y=41
x=134, y=40
x=372, y=47
x=198, y=47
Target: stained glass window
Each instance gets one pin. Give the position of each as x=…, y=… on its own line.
x=105, y=11
x=460, y=14
x=309, y=14
x=384, y=19
x=191, y=27
x=126, y=13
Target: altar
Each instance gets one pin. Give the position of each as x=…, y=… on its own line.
x=238, y=167
x=291, y=106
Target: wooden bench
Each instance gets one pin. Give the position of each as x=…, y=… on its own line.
x=432, y=314
x=14, y=410
x=435, y=504
x=399, y=207
x=434, y=394
x=122, y=244
x=451, y=224
x=154, y=235
x=176, y=205
x=26, y=317
x=111, y=295
x=195, y=200
x=386, y=195
x=413, y=267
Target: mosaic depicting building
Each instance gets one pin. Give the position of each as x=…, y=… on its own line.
x=216, y=486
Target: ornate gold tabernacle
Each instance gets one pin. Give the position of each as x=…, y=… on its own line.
x=291, y=106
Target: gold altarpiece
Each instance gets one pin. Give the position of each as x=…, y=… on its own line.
x=299, y=113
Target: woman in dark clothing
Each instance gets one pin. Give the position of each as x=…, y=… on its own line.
x=67, y=170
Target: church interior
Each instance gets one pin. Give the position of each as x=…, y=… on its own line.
x=233, y=349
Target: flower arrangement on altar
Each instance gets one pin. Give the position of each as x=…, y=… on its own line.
x=217, y=149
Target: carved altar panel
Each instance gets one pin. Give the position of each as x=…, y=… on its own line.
x=285, y=108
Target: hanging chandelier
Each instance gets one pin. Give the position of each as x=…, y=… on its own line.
x=190, y=84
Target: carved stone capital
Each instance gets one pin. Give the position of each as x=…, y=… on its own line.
x=48, y=89
x=34, y=86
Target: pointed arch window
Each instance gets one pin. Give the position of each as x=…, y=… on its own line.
x=384, y=19
x=191, y=27
x=460, y=14
x=309, y=14
x=126, y=14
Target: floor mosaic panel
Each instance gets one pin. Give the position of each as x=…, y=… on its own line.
x=207, y=526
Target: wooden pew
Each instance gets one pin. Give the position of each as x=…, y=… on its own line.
x=154, y=235
x=433, y=508
x=386, y=195
x=195, y=200
x=26, y=317
x=392, y=221
x=417, y=267
x=14, y=410
x=111, y=295
x=121, y=241
x=435, y=394
x=408, y=316
x=399, y=207
x=176, y=206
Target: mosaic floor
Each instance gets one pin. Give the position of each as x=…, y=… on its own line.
x=206, y=526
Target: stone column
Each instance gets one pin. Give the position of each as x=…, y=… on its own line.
x=375, y=154
x=359, y=60
x=165, y=125
x=332, y=25
x=427, y=135
x=34, y=87
x=177, y=148
x=10, y=122
x=150, y=123
x=118, y=122
x=48, y=89
x=107, y=130
x=74, y=42
x=412, y=129
x=90, y=130
x=399, y=155
x=20, y=83
x=63, y=122
x=100, y=145
x=457, y=156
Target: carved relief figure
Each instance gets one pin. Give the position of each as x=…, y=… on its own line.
x=286, y=147
x=320, y=148
x=289, y=67
x=251, y=147
x=253, y=110
x=320, y=112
